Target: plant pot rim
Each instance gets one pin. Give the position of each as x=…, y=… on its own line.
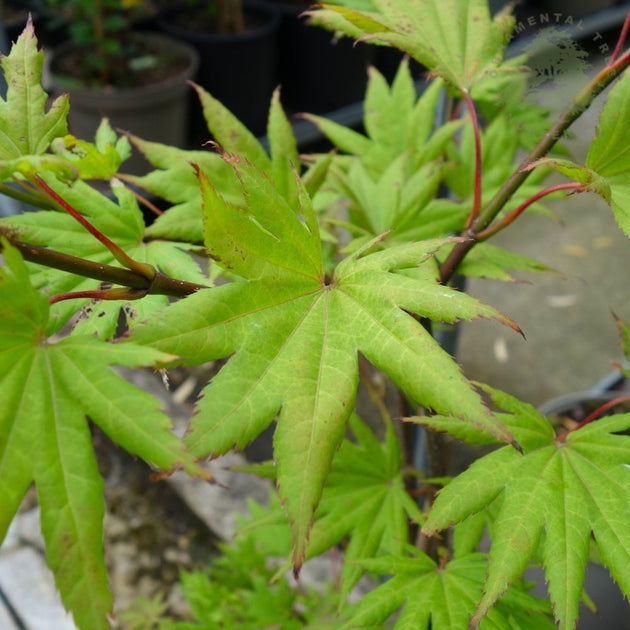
x=168, y=42
x=271, y=11
x=564, y=403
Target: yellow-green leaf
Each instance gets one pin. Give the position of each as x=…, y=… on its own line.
x=558, y=495
x=456, y=39
x=48, y=389
x=294, y=333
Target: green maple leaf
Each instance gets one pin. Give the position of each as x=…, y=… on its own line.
x=48, y=388
x=455, y=39
x=390, y=179
x=433, y=596
x=396, y=122
x=28, y=125
x=364, y=499
x=294, y=334
x=100, y=160
x=30, y=128
x=609, y=154
x=175, y=181
x=26, y=128
x=570, y=488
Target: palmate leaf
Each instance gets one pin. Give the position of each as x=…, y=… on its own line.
x=100, y=160
x=396, y=121
x=393, y=172
x=456, y=39
x=28, y=125
x=26, y=128
x=569, y=488
x=175, y=181
x=393, y=202
x=30, y=128
x=293, y=335
x=365, y=500
x=433, y=596
x=47, y=390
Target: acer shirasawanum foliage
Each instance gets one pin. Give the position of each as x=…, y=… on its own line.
x=301, y=282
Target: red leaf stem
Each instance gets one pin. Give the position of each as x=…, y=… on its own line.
x=596, y=414
x=142, y=268
x=126, y=293
x=621, y=41
x=500, y=225
x=477, y=193
x=619, y=63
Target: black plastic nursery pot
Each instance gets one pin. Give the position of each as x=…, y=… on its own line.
x=239, y=69
x=156, y=112
x=576, y=407
x=318, y=72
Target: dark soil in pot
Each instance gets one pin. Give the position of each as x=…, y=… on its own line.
x=239, y=69
x=144, y=61
x=199, y=20
x=148, y=99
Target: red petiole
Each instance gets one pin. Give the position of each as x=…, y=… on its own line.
x=142, y=268
x=126, y=293
x=500, y=225
x=621, y=41
x=595, y=414
x=477, y=133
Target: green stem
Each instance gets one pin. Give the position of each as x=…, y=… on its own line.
x=159, y=285
x=25, y=195
x=574, y=110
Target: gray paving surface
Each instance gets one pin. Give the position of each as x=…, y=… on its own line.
x=30, y=599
